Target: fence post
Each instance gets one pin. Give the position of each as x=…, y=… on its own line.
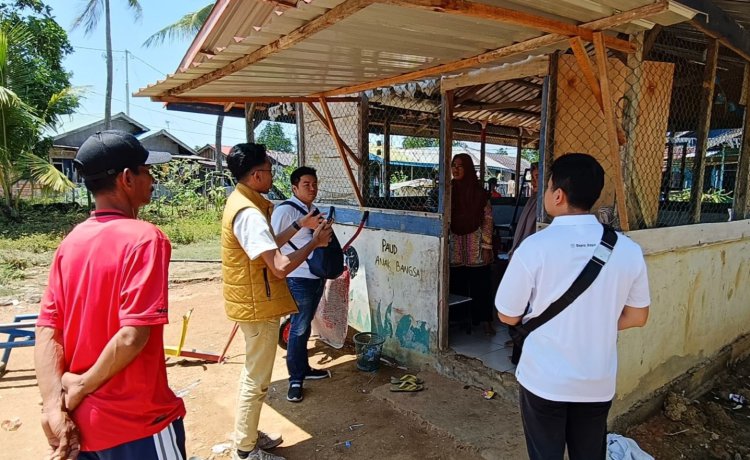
x=741, y=209
x=444, y=208
x=704, y=125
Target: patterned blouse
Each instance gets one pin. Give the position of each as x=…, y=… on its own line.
x=466, y=250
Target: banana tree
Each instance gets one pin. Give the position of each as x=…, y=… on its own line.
x=21, y=125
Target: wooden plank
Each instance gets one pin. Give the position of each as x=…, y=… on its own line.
x=538, y=66
x=222, y=100
x=741, y=206
x=323, y=120
x=364, y=145
x=340, y=147
x=499, y=106
x=704, y=125
x=444, y=208
x=519, y=149
x=387, y=156
x=587, y=69
x=611, y=121
x=493, y=13
x=322, y=22
x=642, y=12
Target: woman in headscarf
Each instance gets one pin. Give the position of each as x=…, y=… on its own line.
x=471, y=241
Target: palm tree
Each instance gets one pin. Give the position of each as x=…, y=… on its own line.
x=21, y=125
x=89, y=17
x=186, y=27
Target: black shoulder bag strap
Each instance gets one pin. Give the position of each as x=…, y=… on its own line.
x=298, y=208
x=581, y=283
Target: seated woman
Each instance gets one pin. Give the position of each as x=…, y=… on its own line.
x=471, y=241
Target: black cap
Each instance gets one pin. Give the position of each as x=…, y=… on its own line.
x=107, y=153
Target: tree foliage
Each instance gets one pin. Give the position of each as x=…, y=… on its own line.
x=272, y=135
x=26, y=71
x=185, y=27
x=419, y=142
x=531, y=155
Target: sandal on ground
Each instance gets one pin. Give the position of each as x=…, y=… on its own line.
x=407, y=387
x=406, y=378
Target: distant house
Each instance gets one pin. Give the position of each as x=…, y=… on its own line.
x=65, y=145
x=283, y=159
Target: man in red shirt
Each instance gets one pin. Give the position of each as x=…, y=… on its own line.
x=99, y=352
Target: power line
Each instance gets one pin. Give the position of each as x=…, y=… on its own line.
x=121, y=51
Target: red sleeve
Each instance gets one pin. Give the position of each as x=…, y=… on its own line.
x=144, y=289
x=49, y=314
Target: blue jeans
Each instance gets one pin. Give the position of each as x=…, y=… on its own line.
x=306, y=293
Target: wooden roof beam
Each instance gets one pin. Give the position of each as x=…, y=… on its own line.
x=642, y=12
x=322, y=22
x=529, y=68
x=499, y=106
x=509, y=16
x=716, y=23
x=240, y=99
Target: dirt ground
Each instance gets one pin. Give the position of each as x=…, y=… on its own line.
x=711, y=427
x=339, y=418
x=352, y=415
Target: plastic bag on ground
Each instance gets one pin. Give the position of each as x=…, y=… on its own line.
x=622, y=448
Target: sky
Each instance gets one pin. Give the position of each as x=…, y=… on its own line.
x=146, y=65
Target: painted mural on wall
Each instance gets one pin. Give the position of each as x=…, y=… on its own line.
x=394, y=288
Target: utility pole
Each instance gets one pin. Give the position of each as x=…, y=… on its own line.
x=127, y=83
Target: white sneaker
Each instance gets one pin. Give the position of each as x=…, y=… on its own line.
x=257, y=454
x=267, y=441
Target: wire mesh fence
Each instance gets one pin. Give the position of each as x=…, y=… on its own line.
x=658, y=114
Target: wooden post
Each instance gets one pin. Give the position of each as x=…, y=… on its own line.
x=546, y=135
x=637, y=200
x=704, y=125
x=387, y=157
x=519, y=149
x=301, y=151
x=611, y=121
x=250, y=122
x=482, y=152
x=364, y=146
x=342, y=153
x=741, y=206
x=444, y=208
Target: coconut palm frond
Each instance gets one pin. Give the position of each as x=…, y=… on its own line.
x=8, y=98
x=186, y=27
x=65, y=98
x=135, y=5
x=42, y=172
x=89, y=17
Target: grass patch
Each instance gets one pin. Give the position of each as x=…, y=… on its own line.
x=40, y=228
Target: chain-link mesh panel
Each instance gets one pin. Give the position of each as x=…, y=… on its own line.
x=686, y=49
x=657, y=110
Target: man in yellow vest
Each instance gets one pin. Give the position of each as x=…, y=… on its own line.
x=255, y=292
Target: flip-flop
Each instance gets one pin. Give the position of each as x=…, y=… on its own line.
x=407, y=387
x=406, y=378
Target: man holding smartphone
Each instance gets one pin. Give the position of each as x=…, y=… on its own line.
x=306, y=288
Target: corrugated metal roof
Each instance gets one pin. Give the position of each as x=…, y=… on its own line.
x=376, y=42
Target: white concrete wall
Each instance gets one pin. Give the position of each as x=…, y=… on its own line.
x=700, y=302
x=395, y=290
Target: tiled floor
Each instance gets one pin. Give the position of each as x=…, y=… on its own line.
x=491, y=350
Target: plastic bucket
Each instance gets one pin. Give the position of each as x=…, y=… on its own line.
x=368, y=346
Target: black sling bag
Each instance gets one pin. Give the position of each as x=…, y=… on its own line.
x=602, y=252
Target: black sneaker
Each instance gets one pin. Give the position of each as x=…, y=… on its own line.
x=295, y=393
x=317, y=374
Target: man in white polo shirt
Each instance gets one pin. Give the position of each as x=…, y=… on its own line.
x=568, y=367
x=306, y=288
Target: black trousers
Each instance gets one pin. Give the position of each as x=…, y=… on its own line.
x=551, y=425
